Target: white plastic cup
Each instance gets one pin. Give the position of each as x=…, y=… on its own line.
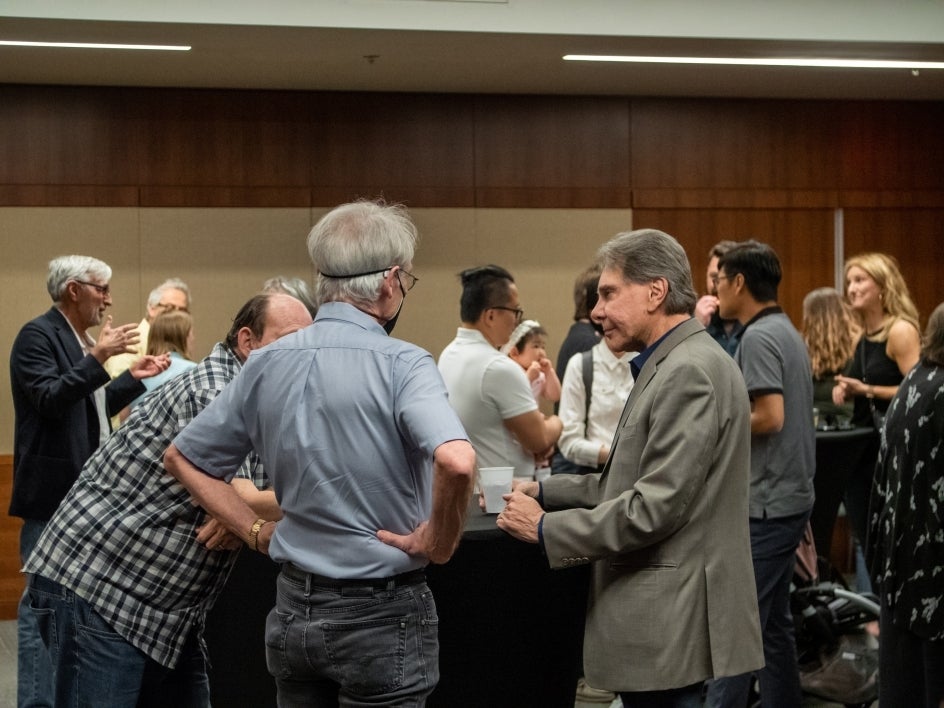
x=495, y=481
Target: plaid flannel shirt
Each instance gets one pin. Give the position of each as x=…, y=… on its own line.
x=124, y=538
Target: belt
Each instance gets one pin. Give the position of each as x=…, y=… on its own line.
x=411, y=577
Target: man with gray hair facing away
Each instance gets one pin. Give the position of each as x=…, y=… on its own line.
x=172, y=294
x=665, y=522
x=62, y=400
x=371, y=466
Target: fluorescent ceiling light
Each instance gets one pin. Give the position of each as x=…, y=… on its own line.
x=95, y=45
x=828, y=63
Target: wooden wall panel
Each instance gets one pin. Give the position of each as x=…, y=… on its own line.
x=367, y=145
x=891, y=146
x=915, y=237
x=66, y=195
x=559, y=151
x=12, y=580
x=223, y=138
x=69, y=146
x=54, y=135
x=803, y=239
x=689, y=144
x=225, y=196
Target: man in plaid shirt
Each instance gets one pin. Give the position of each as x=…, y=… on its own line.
x=128, y=567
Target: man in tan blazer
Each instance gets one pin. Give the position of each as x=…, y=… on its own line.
x=665, y=523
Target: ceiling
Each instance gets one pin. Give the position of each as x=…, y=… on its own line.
x=427, y=60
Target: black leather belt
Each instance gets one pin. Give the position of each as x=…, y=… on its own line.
x=412, y=577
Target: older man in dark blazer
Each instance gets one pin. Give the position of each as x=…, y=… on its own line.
x=62, y=405
x=665, y=523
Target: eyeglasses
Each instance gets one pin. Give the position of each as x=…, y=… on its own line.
x=519, y=313
x=171, y=307
x=716, y=278
x=101, y=289
x=413, y=279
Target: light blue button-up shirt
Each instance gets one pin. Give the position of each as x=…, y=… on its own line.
x=346, y=421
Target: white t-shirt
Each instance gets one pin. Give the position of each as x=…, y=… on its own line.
x=486, y=388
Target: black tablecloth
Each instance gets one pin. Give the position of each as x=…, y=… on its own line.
x=838, y=454
x=235, y=635
x=510, y=629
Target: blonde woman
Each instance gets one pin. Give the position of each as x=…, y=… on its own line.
x=172, y=333
x=887, y=350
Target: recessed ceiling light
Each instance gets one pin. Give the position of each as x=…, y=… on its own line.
x=96, y=45
x=828, y=63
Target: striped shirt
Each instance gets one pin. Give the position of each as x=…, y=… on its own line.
x=124, y=538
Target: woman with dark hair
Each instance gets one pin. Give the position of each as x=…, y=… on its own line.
x=905, y=550
x=582, y=335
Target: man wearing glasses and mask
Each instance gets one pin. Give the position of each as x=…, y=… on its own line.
x=488, y=390
x=371, y=467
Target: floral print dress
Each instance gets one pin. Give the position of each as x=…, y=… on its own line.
x=906, y=516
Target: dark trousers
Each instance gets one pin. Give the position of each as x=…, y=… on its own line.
x=685, y=697
x=773, y=550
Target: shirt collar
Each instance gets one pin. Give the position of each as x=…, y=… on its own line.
x=772, y=310
x=346, y=312
x=610, y=360
x=635, y=366
x=470, y=334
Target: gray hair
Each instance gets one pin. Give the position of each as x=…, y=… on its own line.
x=154, y=298
x=66, y=268
x=352, y=244
x=648, y=254
x=296, y=287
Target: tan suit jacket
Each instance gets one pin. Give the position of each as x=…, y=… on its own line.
x=665, y=524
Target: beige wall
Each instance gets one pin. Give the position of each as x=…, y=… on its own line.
x=226, y=254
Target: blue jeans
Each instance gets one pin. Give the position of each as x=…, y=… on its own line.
x=773, y=550
x=685, y=697
x=352, y=646
x=95, y=666
x=34, y=675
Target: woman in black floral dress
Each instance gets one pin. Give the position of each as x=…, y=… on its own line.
x=906, y=533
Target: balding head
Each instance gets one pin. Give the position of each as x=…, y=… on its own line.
x=263, y=319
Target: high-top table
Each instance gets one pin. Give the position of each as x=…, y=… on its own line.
x=510, y=629
x=838, y=454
